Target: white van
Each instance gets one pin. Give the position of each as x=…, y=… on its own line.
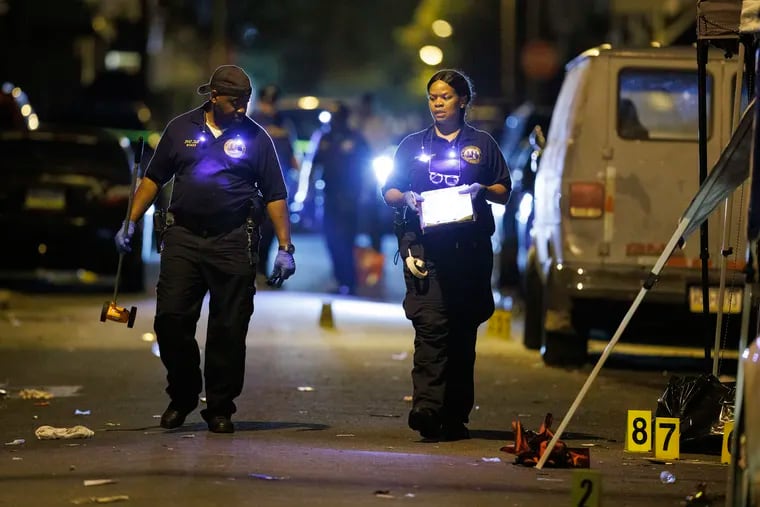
x=619, y=168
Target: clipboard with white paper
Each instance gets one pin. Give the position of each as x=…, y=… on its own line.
x=445, y=206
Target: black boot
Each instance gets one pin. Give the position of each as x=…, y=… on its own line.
x=426, y=421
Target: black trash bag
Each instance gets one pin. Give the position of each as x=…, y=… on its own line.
x=702, y=499
x=698, y=403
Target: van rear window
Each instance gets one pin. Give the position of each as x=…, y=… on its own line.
x=660, y=104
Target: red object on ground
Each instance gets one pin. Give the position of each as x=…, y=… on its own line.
x=529, y=446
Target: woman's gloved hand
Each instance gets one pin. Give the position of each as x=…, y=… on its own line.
x=123, y=239
x=411, y=199
x=474, y=190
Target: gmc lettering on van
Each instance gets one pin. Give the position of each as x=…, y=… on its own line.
x=638, y=249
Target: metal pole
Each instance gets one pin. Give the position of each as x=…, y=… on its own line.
x=727, y=219
x=130, y=201
x=736, y=494
x=704, y=255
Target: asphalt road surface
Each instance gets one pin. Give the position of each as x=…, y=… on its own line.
x=321, y=421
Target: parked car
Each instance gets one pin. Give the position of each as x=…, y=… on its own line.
x=16, y=111
x=64, y=196
x=521, y=142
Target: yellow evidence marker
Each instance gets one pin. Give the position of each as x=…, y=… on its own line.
x=728, y=435
x=326, y=320
x=500, y=323
x=638, y=433
x=667, y=438
x=586, y=488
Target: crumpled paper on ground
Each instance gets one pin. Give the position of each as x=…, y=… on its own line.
x=52, y=433
x=100, y=499
x=530, y=446
x=34, y=394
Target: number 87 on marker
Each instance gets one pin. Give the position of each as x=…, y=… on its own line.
x=638, y=431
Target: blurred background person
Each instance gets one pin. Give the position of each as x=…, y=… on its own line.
x=342, y=159
x=282, y=132
x=375, y=129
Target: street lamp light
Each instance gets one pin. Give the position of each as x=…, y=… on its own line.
x=442, y=28
x=431, y=55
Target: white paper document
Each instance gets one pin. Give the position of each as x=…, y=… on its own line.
x=445, y=206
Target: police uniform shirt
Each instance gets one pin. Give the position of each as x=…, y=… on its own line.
x=424, y=161
x=219, y=175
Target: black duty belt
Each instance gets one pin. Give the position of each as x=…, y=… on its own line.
x=443, y=242
x=211, y=225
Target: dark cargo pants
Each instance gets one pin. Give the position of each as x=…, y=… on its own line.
x=446, y=309
x=193, y=264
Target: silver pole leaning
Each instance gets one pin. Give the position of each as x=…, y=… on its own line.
x=727, y=219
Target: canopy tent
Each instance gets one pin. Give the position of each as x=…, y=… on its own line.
x=717, y=24
x=718, y=19
x=731, y=170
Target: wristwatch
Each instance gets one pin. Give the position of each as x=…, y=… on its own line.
x=290, y=248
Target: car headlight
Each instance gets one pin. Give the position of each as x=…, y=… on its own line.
x=382, y=166
x=525, y=208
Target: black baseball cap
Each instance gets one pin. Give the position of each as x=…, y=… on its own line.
x=228, y=80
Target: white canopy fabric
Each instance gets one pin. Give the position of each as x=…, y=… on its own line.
x=731, y=170
x=750, y=17
x=718, y=19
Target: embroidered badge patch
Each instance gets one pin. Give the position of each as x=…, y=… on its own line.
x=471, y=154
x=234, y=148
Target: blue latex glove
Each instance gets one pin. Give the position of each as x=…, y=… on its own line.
x=123, y=240
x=474, y=190
x=411, y=199
x=284, y=267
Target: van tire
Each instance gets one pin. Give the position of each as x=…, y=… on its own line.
x=533, y=328
x=564, y=349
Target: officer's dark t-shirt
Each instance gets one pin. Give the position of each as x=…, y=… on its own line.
x=215, y=176
x=472, y=157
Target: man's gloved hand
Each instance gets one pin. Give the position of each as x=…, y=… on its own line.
x=123, y=239
x=284, y=267
x=474, y=190
x=411, y=199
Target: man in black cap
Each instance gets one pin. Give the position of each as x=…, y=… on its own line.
x=225, y=174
